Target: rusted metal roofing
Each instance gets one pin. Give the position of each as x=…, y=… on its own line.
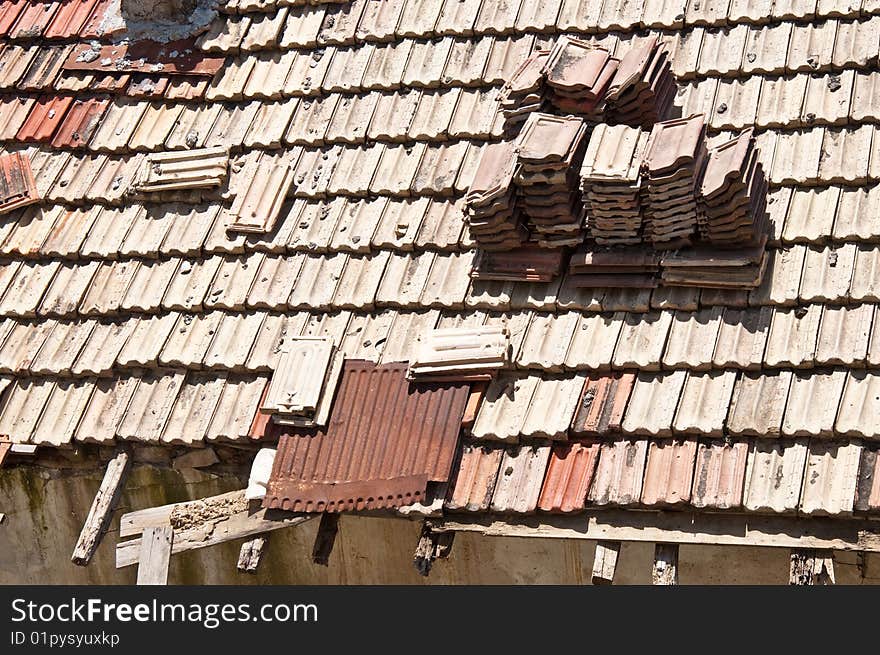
x=386, y=439
x=569, y=476
x=17, y=186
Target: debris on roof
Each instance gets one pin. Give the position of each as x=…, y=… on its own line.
x=17, y=186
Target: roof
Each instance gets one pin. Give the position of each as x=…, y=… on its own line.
x=355, y=129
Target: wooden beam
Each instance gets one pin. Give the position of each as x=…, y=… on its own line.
x=605, y=562
x=251, y=553
x=201, y=531
x=155, y=556
x=133, y=523
x=665, y=571
x=680, y=528
x=810, y=566
x=431, y=546
x=325, y=539
x=102, y=508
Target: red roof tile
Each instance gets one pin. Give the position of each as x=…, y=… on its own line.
x=386, y=439
x=475, y=481
x=69, y=19
x=9, y=12
x=93, y=27
x=34, y=19
x=569, y=475
x=45, y=117
x=17, y=187
x=669, y=473
x=80, y=123
x=602, y=403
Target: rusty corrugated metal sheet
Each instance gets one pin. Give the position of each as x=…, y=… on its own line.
x=475, y=478
x=569, y=475
x=669, y=473
x=719, y=474
x=386, y=439
x=17, y=186
x=175, y=57
x=602, y=403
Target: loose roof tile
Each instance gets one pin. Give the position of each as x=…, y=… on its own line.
x=569, y=475
x=520, y=478
x=652, y=405
x=806, y=417
x=669, y=472
x=704, y=402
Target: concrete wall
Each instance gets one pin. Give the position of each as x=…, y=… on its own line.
x=45, y=510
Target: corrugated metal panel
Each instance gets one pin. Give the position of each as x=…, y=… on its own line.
x=602, y=404
x=475, y=478
x=775, y=474
x=618, y=479
x=831, y=477
x=519, y=479
x=569, y=476
x=386, y=439
x=719, y=474
x=669, y=473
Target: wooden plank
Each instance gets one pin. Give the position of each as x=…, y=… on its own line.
x=155, y=556
x=133, y=523
x=681, y=528
x=102, y=508
x=216, y=531
x=811, y=566
x=432, y=545
x=251, y=553
x=665, y=570
x=325, y=539
x=605, y=562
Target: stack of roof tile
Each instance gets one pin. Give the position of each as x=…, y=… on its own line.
x=578, y=76
x=732, y=198
x=740, y=268
x=549, y=153
x=622, y=267
x=611, y=184
x=524, y=93
x=676, y=154
x=643, y=87
x=492, y=216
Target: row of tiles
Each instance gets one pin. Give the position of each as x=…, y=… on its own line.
x=99, y=124
x=798, y=275
x=742, y=51
x=810, y=477
x=820, y=156
x=814, y=216
x=169, y=407
x=828, y=403
x=728, y=339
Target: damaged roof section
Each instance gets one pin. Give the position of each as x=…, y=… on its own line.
x=385, y=441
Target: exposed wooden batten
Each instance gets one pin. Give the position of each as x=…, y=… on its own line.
x=680, y=528
x=811, y=567
x=202, y=523
x=154, y=556
x=102, y=508
x=251, y=554
x=605, y=562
